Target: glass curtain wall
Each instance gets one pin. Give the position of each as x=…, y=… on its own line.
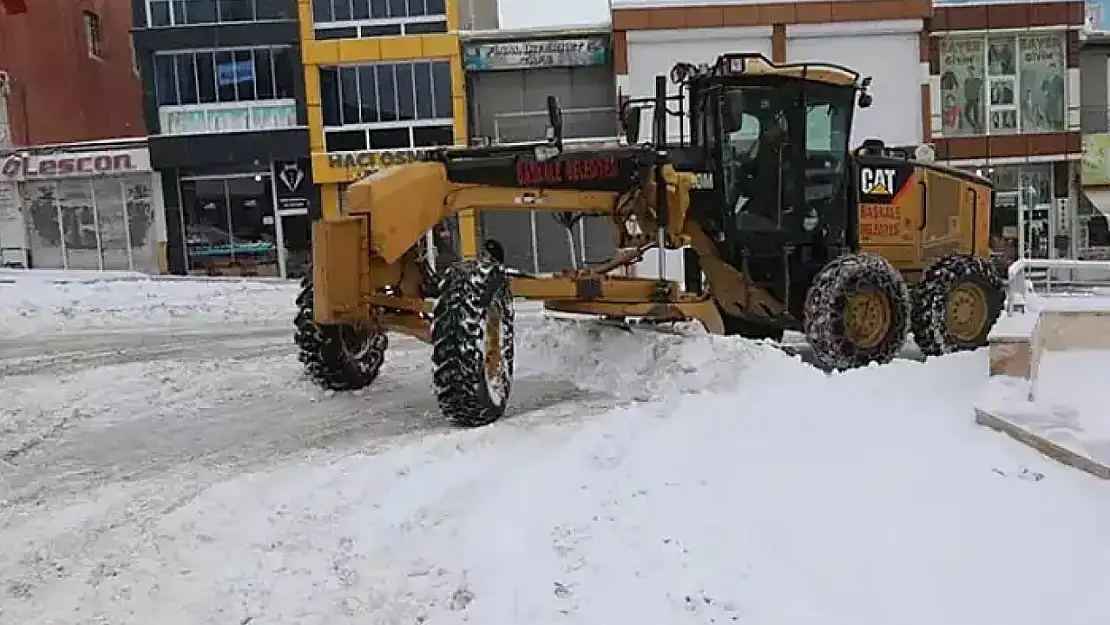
x=98, y=223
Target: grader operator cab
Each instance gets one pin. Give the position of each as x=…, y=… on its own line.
x=782, y=225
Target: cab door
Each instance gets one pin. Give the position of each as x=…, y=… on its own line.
x=949, y=215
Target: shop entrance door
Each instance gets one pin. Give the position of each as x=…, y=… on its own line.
x=229, y=225
x=1034, y=236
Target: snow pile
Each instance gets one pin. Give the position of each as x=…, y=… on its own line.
x=862, y=498
x=29, y=307
x=639, y=365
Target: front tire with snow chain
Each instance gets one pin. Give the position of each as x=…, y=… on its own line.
x=857, y=312
x=473, y=342
x=339, y=357
x=956, y=304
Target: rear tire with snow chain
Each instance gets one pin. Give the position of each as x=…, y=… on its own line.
x=956, y=304
x=857, y=312
x=472, y=342
x=339, y=357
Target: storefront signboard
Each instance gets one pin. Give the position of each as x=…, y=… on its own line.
x=201, y=119
x=1096, y=160
x=293, y=187
x=372, y=161
x=19, y=166
x=509, y=55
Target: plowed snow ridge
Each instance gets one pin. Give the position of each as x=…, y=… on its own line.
x=642, y=365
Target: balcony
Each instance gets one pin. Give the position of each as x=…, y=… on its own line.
x=579, y=125
x=228, y=117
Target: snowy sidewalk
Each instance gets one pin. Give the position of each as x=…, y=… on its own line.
x=36, y=306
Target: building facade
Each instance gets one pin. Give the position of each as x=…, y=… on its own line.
x=1005, y=102
x=384, y=82
x=68, y=73
x=224, y=102
x=68, y=79
x=1092, y=231
x=509, y=75
x=879, y=39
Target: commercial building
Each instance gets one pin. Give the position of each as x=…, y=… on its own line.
x=509, y=75
x=1005, y=101
x=224, y=102
x=68, y=77
x=993, y=87
x=879, y=39
x=384, y=81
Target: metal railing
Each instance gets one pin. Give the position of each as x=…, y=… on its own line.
x=1058, y=276
x=578, y=123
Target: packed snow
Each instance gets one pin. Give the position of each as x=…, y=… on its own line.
x=36, y=303
x=640, y=478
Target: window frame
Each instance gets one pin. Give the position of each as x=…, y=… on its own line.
x=361, y=25
x=209, y=109
x=194, y=52
x=174, y=23
x=94, y=34
x=335, y=97
x=1016, y=108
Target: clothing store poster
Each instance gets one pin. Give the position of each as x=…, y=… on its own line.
x=1042, y=83
x=961, y=86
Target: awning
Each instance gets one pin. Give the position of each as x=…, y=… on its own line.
x=1092, y=201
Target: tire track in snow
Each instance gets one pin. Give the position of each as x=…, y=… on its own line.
x=65, y=354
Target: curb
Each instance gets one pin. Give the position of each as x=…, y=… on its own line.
x=1053, y=450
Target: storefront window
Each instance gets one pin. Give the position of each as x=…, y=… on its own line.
x=101, y=224
x=1027, y=188
x=1002, y=84
x=229, y=225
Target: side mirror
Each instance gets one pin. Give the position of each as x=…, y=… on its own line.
x=554, y=120
x=864, y=100
x=630, y=123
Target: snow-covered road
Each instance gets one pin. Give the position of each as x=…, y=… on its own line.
x=174, y=467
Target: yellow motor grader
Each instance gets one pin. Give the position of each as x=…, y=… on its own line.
x=783, y=227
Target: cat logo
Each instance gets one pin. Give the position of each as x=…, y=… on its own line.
x=877, y=181
x=703, y=180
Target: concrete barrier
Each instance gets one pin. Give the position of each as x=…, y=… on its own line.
x=1044, y=411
